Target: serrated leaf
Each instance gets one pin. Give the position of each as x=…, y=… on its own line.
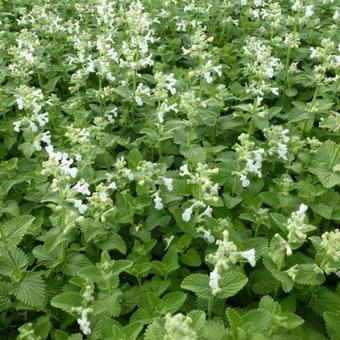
x=14, y=230
x=172, y=302
x=231, y=283
x=66, y=301
x=309, y=274
x=5, y=301
x=120, y=266
x=31, y=290
x=108, y=304
x=332, y=325
x=13, y=261
x=198, y=284
x=155, y=331
x=74, y=262
x=323, y=162
x=324, y=300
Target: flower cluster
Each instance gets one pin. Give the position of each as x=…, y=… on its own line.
x=252, y=157
x=178, y=327
x=278, y=139
x=296, y=226
x=225, y=256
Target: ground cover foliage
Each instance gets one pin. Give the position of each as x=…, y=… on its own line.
x=169, y=169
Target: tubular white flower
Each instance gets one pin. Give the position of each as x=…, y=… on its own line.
x=309, y=11
x=184, y=170
x=214, y=278
x=244, y=181
x=158, y=202
x=79, y=205
x=249, y=255
x=168, y=182
x=82, y=187
x=83, y=322
x=186, y=216
x=17, y=126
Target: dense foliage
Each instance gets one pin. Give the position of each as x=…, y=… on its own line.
x=169, y=169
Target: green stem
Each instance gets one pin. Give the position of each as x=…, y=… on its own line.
x=257, y=229
x=285, y=75
x=100, y=97
x=210, y=305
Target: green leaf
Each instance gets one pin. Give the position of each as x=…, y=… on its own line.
x=15, y=229
x=5, y=301
x=108, y=304
x=324, y=300
x=66, y=301
x=323, y=163
x=309, y=274
x=191, y=258
x=198, y=284
x=31, y=290
x=332, y=325
x=120, y=266
x=155, y=331
x=231, y=283
x=172, y=302
x=13, y=261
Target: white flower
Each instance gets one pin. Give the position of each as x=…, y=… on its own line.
x=207, y=77
x=37, y=146
x=184, y=170
x=275, y=90
x=158, y=202
x=84, y=323
x=79, y=157
x=186, y=216
x=249, y=255
x=79, y=205
x=313, y=52
x=112, y=186
x=244, y=181
x=207, y=235
x=72, y=172
x=282, y=151
x=139, y=101
x=168, y=182
x=207, y=211
x=103, y=196
x=128, y=173
x=171, y=82
x=214, y=278
x=33, y=127
x=336, y=15
x=49, y=149
x=17, y=126
x=82, y=187
x=168, y=241
x=303, y=208
x=309, y=11
x=46, y=137
x=42, y=119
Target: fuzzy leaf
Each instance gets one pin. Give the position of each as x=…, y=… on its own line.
x=323, y=164
x=14, y=230
x=309, y=274
x=31, y=290
x=332, y=325
x=66, y=301
x=172, y=302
